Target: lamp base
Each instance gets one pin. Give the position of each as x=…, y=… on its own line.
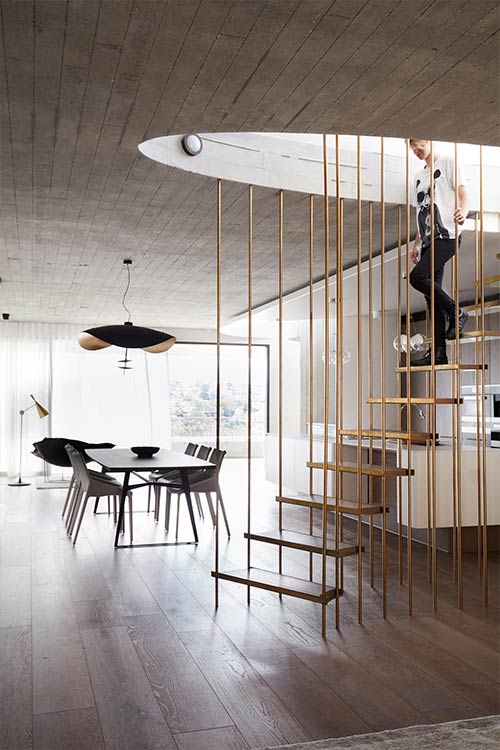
x=19, y=483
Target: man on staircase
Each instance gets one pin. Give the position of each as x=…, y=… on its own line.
x=445, y=217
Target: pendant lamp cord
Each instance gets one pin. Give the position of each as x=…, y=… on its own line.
x=125, y=294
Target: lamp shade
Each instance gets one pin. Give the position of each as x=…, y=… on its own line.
x=42, y=411
x=127, y=336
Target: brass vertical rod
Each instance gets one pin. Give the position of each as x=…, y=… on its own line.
x=478, y=386
x=311, y=366
x=383, y=394
x=400, y=421
x=326, y=394
x=428, y=416
x=217, y=384
x=454, y=446
x=454, y=464
x=483, y=384
x=433, y=387
x=454, y=384
x=456, y=380
x=249, y=393
x=280, y=369
x=338, y=393
x=409, y=550
x=359, y=390
x=370, y=379
x=340, y=372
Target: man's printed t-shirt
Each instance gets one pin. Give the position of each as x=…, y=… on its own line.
x=444, y=200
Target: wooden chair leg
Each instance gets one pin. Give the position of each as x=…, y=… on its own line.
x=74, y=511
x=198, y=504
x=210, y=504
x=167, y=510
x=72, y=501
x=177, y=518
x=224, y=513
x=157, y=504
x=70, y=490
x=82, y=513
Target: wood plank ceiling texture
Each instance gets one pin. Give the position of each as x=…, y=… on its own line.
x=83, y=82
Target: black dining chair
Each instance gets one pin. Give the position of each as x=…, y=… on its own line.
x=173, y=474
x=202, y=481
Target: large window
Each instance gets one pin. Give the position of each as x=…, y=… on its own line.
x=192, y=376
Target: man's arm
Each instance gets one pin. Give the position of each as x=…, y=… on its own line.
x=415, y=253
x=463, y=201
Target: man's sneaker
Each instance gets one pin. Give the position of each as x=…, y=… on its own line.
x=462, y=320
x=439, y=359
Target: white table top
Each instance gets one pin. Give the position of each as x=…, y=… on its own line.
x=122, y=459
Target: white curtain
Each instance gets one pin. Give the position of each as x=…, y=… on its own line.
x=88, y=396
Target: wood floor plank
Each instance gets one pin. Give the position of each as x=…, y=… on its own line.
x=125, y=584
x=85, y=577
x=15, y=597
x=60, y=677
x=185, y=696
x=225, y=738
x=258, y=713
x=129, y=713
x=378, y=705
x=98, y=613
x=319, y=710
x=47, y=565
x=15, y=542
x=272, y=677
x=417, y=687
x=482, y=658
x=438, y=717
x=15, y=689
x=483, y=632
x=68, y=729
x=475, y=688
x=174, y=599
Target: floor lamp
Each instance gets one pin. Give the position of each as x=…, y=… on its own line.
x=42, y=412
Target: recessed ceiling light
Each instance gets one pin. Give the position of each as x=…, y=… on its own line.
x=192, y=144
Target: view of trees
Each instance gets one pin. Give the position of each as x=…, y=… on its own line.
x=192, y=372
x=193, y=409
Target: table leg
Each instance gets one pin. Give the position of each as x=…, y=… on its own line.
x=187, y=492
x=121, y=512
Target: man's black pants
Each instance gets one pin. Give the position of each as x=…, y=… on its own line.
x=420, y=279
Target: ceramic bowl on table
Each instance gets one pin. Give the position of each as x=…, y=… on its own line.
x=144, y=451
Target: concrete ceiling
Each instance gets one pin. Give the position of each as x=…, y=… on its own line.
x=82, y=83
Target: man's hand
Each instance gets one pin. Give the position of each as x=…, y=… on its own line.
x=459, y=216
x=415, y=255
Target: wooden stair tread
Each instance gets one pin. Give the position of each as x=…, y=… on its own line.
x=300, y=540
x=428, y=368
x=414, y=400
x=477, y=334
x=416, y=437
x=345, y=506
x=478, y=305
x=271, y=581
x=366, y=469
x=489, y=280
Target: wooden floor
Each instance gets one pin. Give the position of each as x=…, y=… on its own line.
x=123, y=649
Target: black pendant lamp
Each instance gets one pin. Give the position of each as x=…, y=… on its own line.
x=126, y=335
